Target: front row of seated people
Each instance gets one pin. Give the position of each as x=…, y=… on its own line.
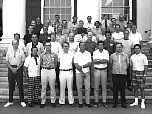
x=39, y=66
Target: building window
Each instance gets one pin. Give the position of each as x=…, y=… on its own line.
x=60, y=7
x=115, y=7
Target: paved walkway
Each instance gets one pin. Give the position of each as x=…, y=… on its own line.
x=17, y=109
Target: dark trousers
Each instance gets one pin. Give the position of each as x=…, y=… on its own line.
x=74, y=78
x=119, y=82
x=33, y=88
x=128, y=78
x=12, y=79
x=57, y=76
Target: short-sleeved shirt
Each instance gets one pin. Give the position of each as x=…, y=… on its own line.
x=15, y=58
x=77, y=38
x=119, y=63
x=117, y=37
x=48, y=60
x=101, y=55
x=135, y=38
x=66, y=60
x=56, y=47
x=82, y=59
x=138, y=61
x=127, y=46
x=33, y=69
x=73, y=47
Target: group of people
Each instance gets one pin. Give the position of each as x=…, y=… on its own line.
x=70, y=55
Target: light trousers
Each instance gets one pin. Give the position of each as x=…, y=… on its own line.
x=100, y=76
x=66, y=78
x=79, y=82
x=48, y=76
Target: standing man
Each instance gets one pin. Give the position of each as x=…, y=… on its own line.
x=66, y=74
x=119, y=62
x=90, y=47
x=14, y=60
x=32, y=71
x=110, y=46
x=82, y=61
x=100, y=60
x=34, y=43
x=139, y=64
x=128, y=49
x=48, y=63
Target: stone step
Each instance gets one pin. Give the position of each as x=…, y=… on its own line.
x=3, y=74
x=2, y=61
x=3, y=69
x=3, y=65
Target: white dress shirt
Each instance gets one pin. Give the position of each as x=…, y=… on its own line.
x=82, y=59
x=66, y=60
x=101, y=55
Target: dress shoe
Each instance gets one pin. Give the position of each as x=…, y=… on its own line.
x=72, y=105
x=59, y=105
x=129, y=88
x=105, y=104
x=88, y=105
x=95, y=104
x=53, y=105
x=30, y=105
x=42, y=105
x=80, y=105
x=123, y=106
x=36, y=103
x=114, y=105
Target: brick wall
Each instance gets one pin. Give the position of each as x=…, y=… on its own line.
x=33, y=10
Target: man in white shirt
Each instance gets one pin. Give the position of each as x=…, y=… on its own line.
x=82, y=61
x=56, y=48
x=32, y=71
x=14, y=61
x=139, y=64
x=34, y=43
x=66, y=74
x=135, y=36
x=128, y=49
x=89, y=24
x=117, y=36
x=100, y=60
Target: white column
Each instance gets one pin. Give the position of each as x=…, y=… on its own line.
x=151, y=20
x=13, y=18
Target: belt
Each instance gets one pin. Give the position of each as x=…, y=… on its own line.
x=65, y=69
x=101, y=68
x=14, y=66
x=47, y=68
